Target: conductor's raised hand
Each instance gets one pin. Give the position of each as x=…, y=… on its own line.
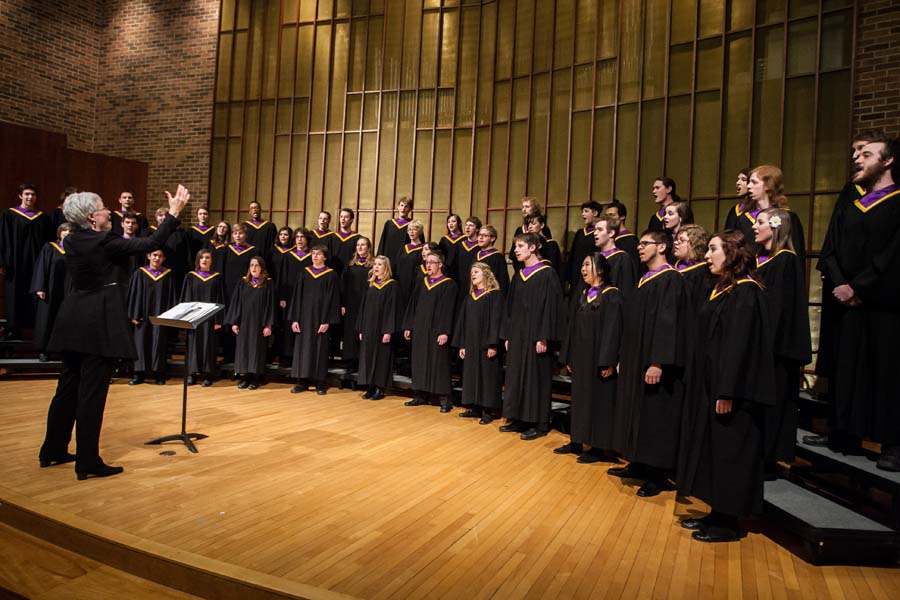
x=178, y=201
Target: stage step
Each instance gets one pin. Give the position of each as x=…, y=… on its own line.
x=830, y=532
x=28, y=365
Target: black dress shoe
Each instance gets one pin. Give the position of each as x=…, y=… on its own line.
x=815, y=440
x=570, y=448
x=714, y=534
x=368, y=394
x=532, y=433
x=136, y=380
x=321, y=390
x=101, y=471
x=378, y=395
x=694, y=524
x=416, y=401
x=649, y=489
x=470, y=414
x=511, y=427
x=43, y=357
x=206, y=383
x=160, y=381
x=446, y=405
x=243, y=385
x=191, y=380
x=299, y=388
x=629, y=471
x=486, y=419
x=592, y=456
x=889, y=460
x=59, y=460
x=253, y=386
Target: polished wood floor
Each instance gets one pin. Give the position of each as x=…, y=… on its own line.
x=377, y=500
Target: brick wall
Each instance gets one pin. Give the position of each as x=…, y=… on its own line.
x=876, y=100
x=157, y=62
x=49, y=53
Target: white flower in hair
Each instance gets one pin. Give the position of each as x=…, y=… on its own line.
x=775, y=222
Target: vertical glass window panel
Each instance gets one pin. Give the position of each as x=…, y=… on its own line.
x=220, y=121
x=270, y=58
x=537, y=147
x=556, y=220
x=226, y=19
x=626, y=154
x=462, y=173
x=712, y=17
x=799, y=115
x=282, y=172
x=257, y=39
x=681, y=69
x=735, y=138
x=580, y=170
x=342, y=10
x=602, y=167
x=333, y=160
x=354, y=111
x=432, y=3
x=388, y=130
x=368, y=170
x=705, y=214
x=517, y=175
x=803, y=8
x=543, y=36
x=405, y=140
x=741, y=15
x=217, y=173
x=326, y=9
x=449, y=47
x=283, y=118
x=339, y=76
x=350, y=177
x=630, y=52
x=287, y=68
x=424, y=149
x=314, y=166
x=724, y=207
x=223, y=72
x=766, y=141
x=359, y=29
x=481, y=171
x=607, y=71
x=585, y=30
x=684, y=21
x=374, y=53
x=501, y=102
x=376, y=7
x=499, y=145
x=678, y=144
x=521, y=98
x=297, y=197
x=412, y=40
x=289, y=12
x=557, y=190
x=301, y=115
x=584, y=87
x=800, y=206
x=709, y=64
x=443, y=159
x=266, y=152
x=249, y=152
x=308, y=10
x=823, y=207
x=656, y=22
x=320, y=78
x=770, y=11
x=609, y=29
x=428, y=75
x=565, y=34
x=487, y=52
x=445, y=108
x=652, y=162
x=707, y=126
x=371, y=107
x=801, y=56
x=832, y=130
x=233, y=174
x=468, y=58
x=506, y=37
x=243, y=14
x=236, y=119
x=239, y=69
x=426, y=108
x=833, y=4
x=393, y=45
x=837, y=41
x=524, y=36
x=303, y=84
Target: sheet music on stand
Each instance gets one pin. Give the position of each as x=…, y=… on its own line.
x=187, y=315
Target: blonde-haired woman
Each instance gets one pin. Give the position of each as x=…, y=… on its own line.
x=408, y=262
x=379, y=317
x=477, y=335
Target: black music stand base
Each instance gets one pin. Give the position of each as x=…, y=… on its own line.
x=182, y=437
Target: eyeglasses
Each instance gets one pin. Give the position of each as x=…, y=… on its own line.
x=642, y=243
x=432, y=262
x=677, y=241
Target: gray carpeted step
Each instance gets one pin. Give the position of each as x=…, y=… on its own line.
x=859, y=466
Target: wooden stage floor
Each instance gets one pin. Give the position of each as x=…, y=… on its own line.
x=377, y=500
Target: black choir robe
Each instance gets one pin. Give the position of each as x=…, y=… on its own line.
x=582, y=245
x=201, y=357
x=198, y=239
x=785, y=285
x=393, y=238
x=449, y=246
x=745, y=226
x=316, y=301
x=354, y=284
x=648, y=416
x=116, y=220
x=732, y=219
x=380, y=312
x=327, y=239
x=291, y=271
x=21, y=239
x=429, y=314
x=497, y=262
x=49, y=277
x=235, y=266
x=863, y=250
x=512, y=245
x=218, y=255
x=282, y=334
x=263, y=235
x=343, y=246
x=252, y=309
x=149, y=296
x=465, y=256
x=590, y=345
x=407, y=268
x=57, y=218
x=177, y=249
x=698, y=284
x=477, y=330
x=531, y=314
x=657, y=220
x=622, y=272
x=551, y=255
x=720, y=460
x=628, y=241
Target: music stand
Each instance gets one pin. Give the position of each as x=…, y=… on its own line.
x=188, y=316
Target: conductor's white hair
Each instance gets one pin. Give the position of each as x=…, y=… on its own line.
x=79, y=206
